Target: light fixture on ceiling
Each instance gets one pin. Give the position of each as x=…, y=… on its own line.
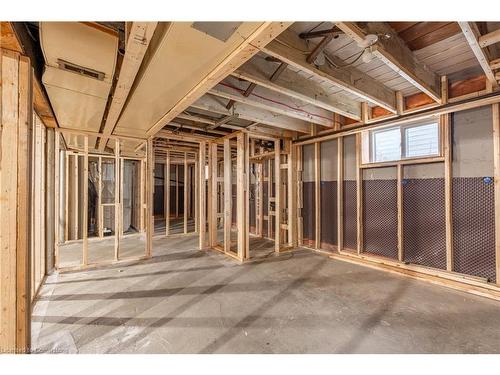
x=368, y=40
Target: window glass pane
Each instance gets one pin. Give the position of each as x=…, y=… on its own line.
x=422, y=140
x=387, y=145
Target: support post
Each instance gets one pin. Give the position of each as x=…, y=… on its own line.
x=149, y=197
x=400, y=211
x=142, y=185
x=213, y=194
x=16, y=124
x=277, y=197
x=66, y=195
x=117, y=199
x=176, y=191
x=100, y=216
x=85, y=200
x=292, y=195
x=240, y=194
x=448, y=178
x=57, y=198
x=246, y=198
x=197, y=181
x=227, y=196
x=496, y=152
x=76, y=197
x=317, y=194
x=167, y=194
x=340, y=193
x=186, y=197
x=269, y=193
x=202, y=227
x=259, y=198
x=300, y=198
x=359, y=195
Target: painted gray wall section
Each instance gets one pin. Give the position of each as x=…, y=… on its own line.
x=473, y=143
x=385, y=173
x=350, y=157
x=431, y=170
x=308, y=163
x=329, y=160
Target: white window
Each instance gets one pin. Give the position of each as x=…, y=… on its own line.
x=422, y=140
x=387, y=144
x=403, y=142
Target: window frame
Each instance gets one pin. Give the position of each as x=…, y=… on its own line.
x=403, y=159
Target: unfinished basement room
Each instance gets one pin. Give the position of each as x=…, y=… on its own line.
x=250, y=187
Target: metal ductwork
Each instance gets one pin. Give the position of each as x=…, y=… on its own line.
x=80, y=61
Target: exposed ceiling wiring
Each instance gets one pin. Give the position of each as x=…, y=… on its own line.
x=241, y=91
x=328, y=58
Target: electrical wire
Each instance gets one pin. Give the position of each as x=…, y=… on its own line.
x=327, y=58
x=241, y=91
x=330, y=61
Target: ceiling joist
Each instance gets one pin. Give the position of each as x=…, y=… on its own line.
x=288, y=47
x=266, y=99
x=296, y=86
x=471, y=33
x=392, y=50
x=489, y=39
x=137, y=43
x=214, y=104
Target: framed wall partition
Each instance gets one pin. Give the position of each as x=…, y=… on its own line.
x=100, y=201
x=431, y=206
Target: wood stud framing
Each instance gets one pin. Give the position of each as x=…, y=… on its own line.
x=202, y=185
x=317, y=194
x=496, y=156
x=16, y=119
x=340, y=193
x=199, y=153
x=359, y=196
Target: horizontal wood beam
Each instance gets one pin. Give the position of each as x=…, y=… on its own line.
x=137, y=43
x=433, y=112
x=396, y=55
x=216, y=105
x=264, y=98
x=289, y=48
x=180, y=136
x=289, y=83
x=495, y=64
x=471, y=34
x=196, y=127
x=223, y=120
x=489, y=39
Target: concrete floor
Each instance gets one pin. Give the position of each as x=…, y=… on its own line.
x=132, y=245
x=187, y=301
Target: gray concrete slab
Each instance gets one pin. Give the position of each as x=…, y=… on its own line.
x=189, y=301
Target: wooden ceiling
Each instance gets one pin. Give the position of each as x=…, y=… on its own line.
x=418, y=35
